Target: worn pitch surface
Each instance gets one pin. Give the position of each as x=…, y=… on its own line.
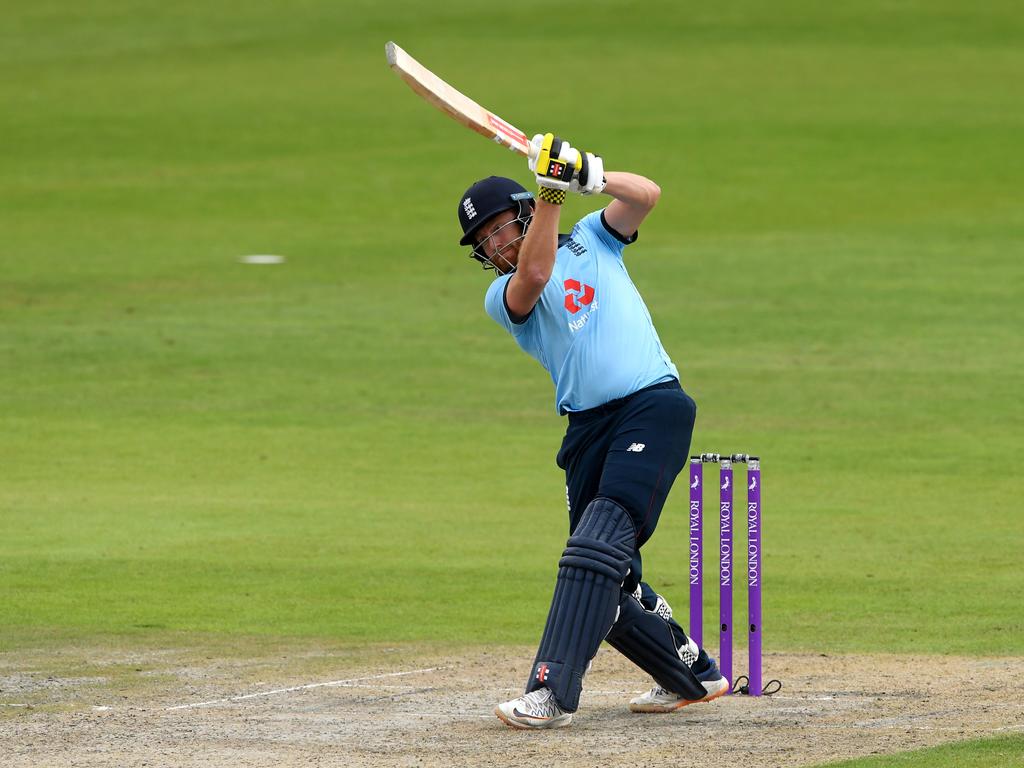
x=403, y=707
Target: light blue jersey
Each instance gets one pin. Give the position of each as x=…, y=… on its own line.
x=590, y=329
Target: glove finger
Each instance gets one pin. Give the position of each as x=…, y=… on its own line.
x=557, y=145
x=566, y=152
x=550, y=161
x=568, y=155
x=536, y=143
x=545, y=154
x=595, y=180
x=573, y=158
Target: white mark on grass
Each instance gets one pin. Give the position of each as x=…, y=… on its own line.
x=261, y=258
x=310, y=686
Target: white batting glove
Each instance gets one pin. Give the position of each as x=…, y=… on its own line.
x=554, y=162
x=590, y=179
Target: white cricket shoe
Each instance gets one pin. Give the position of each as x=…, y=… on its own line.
x=659, y=700
x=537, y=709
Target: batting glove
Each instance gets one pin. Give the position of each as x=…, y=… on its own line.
x=554, y=163
x=590, y=179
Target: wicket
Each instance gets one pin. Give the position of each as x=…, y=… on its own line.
x=725, y=560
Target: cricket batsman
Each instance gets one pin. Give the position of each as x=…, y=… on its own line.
x=568, y=301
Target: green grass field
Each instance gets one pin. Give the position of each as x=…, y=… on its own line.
x=345, y=446
x=986, y=753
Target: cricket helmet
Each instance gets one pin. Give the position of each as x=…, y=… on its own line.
x=487, y=198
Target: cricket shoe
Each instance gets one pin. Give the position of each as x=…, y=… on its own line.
x=660, y=700
x=537, y=709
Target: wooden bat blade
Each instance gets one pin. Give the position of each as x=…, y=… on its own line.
x=453, y=102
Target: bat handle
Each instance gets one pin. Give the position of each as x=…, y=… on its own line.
x=524, y=148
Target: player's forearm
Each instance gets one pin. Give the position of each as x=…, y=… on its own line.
x=632, y=189
x=537, y=256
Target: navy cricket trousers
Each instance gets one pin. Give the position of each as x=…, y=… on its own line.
x=629, y=450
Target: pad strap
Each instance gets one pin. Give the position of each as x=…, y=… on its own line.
x=646, y=639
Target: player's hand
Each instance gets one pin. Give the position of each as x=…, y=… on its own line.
x=590, y=179
x=555, y=162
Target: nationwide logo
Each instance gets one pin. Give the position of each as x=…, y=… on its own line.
x=577, y=295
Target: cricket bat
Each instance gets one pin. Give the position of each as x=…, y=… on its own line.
x=455, y=103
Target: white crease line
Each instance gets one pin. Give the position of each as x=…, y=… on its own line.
x=300, y=688
x=839, y=697
x=378, y=687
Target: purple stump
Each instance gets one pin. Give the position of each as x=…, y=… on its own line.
x=754, y=572
x=725, y=570
x=696, y=571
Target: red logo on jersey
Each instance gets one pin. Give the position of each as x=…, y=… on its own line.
x=542, y=673
x=577, y=295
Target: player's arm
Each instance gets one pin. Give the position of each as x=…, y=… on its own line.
x=536, y=260
x=555, y=163
x=634, y=195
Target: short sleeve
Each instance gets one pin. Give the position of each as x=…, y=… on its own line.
x=494, y=303
x=596, y=226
